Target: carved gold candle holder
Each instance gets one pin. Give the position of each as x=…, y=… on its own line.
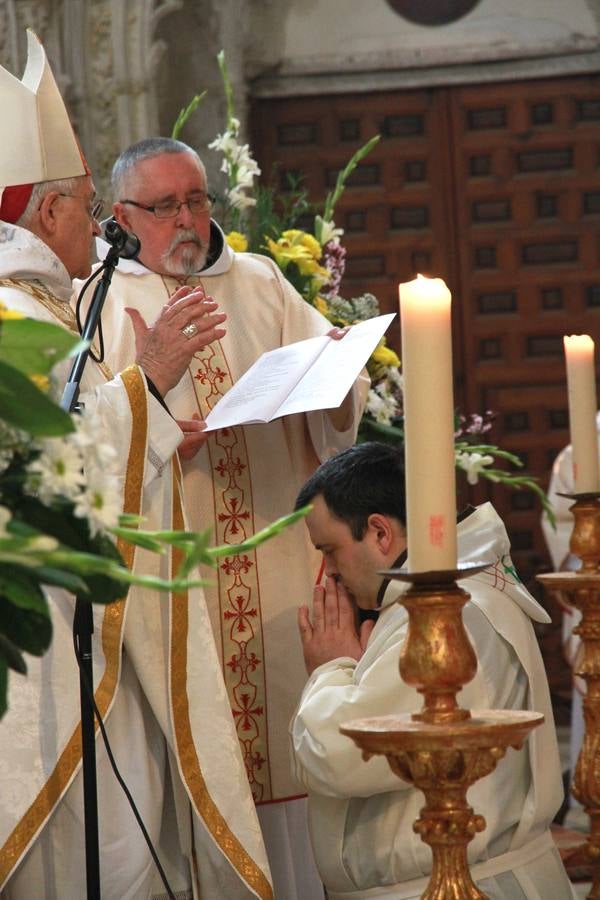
x=442, y=749
x=582, y=590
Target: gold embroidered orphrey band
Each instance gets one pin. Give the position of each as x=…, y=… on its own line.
x=206, y=808
x=238, y=587
x=60, y=309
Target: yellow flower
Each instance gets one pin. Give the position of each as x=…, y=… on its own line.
x=311, y=267
x=302, y=239
x=284, y=252
x=40, y=381
x=312, y=245
x=237, y=241
x=9, y=313
x=385, y=356
x=321, y=305
x=292, y=235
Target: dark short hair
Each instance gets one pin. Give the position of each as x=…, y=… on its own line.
x=364, y=479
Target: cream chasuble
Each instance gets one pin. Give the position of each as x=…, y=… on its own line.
x=167, y=639
x=240, y=481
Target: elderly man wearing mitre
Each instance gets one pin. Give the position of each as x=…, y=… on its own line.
x=157, y=677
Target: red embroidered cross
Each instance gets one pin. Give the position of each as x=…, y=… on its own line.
x=243, y=663
x=436, y=530
x=210, y=376
x=234, y=518
x=247, y=712
x=240, y=612
x=234, y=565
x=230, y=467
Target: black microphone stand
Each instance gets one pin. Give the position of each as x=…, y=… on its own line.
x=83, y=620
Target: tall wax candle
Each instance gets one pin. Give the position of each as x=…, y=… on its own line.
x=581, y=386
x=428, y=424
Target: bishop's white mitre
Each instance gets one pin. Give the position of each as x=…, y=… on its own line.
x=39, y=143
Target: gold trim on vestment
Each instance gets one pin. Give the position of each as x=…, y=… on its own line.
x=60, y=309
x=205, y=806
x=238, y=590
x=43, y=805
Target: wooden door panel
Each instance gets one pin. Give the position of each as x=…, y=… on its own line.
x=393, y=221
x=494, y=187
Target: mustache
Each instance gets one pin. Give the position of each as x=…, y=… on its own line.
x=186, y=235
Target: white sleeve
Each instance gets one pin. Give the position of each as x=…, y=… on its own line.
x=164, y=436
x=557, y=539
x=329, y=763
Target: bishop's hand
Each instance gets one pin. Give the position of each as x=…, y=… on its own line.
x=186, y=324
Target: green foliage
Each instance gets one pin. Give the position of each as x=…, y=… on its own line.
x=185, y=113
x=333, y=196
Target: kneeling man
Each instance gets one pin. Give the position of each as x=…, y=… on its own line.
x=361, y=814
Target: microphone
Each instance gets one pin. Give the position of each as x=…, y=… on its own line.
x=126, y=243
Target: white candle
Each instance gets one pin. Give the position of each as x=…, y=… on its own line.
x=581, y=385
x=428, y=424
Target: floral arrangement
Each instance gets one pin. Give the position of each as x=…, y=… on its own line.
x=59, y=509
x=258, y=219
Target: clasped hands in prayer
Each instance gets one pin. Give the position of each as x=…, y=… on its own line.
x=332, y=633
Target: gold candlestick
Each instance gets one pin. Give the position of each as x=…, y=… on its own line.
x=582, y=590
x=442, y=749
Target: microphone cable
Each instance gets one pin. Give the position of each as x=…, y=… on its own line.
x=118, y=776
x=100, y=358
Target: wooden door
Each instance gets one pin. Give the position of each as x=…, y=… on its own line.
x=496, y=189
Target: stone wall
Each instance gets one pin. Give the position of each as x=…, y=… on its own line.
x=126, y=67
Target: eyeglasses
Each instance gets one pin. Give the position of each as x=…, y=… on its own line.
x=94, y=206
x=169, y=209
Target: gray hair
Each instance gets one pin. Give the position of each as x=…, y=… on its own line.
x=62, y=185
x=146, y=149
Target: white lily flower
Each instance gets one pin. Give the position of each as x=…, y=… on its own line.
x=330, y=233
x=395, y=378
x=380, y=407
x=239, y=199
x=472, y=464
x=225, y=143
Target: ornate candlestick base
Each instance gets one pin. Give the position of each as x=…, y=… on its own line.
x=582, y=590
x=443, y=749
x=444, y=760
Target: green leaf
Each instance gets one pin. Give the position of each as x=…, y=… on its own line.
x=261, y=536
x=226, y=86
x=62, y=578
x=3, y=685
x=185, y=113
x=24, y=615
x=24, y=406
x=34, y=347
x=333, y=196
x=21, y=588
x=11, y=655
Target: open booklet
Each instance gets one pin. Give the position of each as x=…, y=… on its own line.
x=312, y=374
